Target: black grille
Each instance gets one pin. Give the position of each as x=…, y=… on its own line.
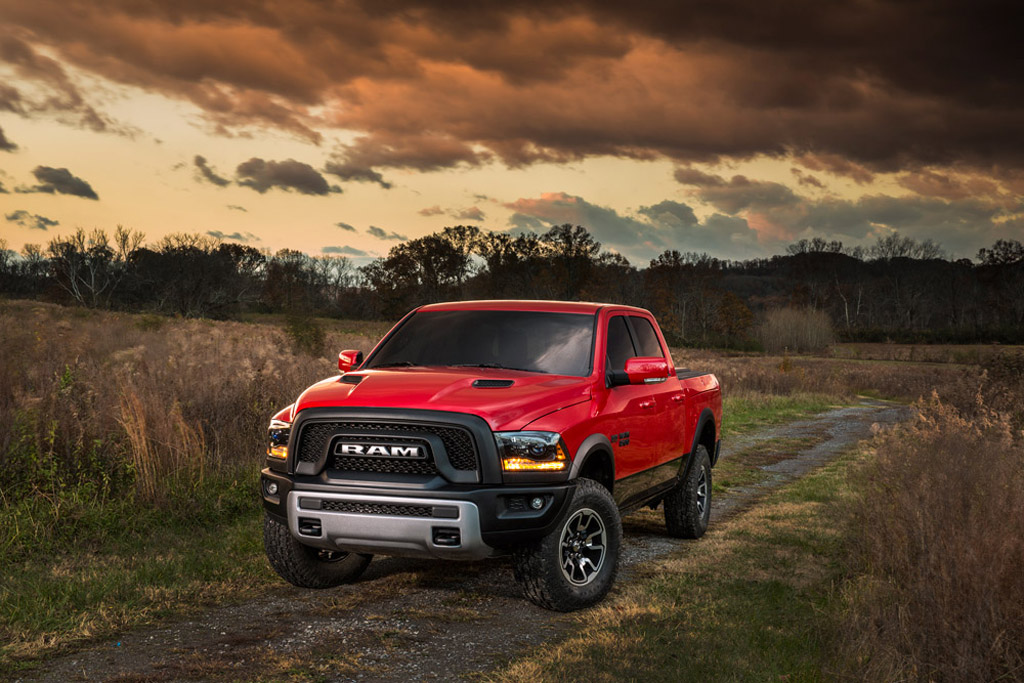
x=377, y=508
x=350, y=463
x=458, y=443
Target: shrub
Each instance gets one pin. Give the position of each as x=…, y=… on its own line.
x=1006, y=389
x=938, y=551
x=150, y=321
x=795, y=329
x=306, y=335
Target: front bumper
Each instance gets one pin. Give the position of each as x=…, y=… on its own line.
x=455, y=522
x=390, y=525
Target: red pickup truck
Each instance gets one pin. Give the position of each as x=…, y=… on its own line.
x=483, y=428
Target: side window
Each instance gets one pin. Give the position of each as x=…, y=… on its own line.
x=620, y=346
x=646, y=337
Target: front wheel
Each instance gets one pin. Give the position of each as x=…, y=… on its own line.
x=574, y=566
x=688, y=505
x=305, y=566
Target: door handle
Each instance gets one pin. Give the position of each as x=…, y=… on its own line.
x=678, y=398
x=649, y=403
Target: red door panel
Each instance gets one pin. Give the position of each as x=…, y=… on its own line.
x=627, y=415
x=671, y=411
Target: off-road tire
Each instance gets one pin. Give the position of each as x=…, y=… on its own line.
x=305, y=566
x=538, y=566
x=688, y=505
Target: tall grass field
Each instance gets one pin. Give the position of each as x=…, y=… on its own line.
x=130, y=447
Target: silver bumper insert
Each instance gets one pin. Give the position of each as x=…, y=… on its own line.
x=384, y=525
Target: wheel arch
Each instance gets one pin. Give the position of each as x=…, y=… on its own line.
x=595, y=460
x=703, y=435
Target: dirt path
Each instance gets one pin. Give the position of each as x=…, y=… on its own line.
x=418, y=620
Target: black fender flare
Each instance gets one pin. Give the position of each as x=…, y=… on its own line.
x=705, y=416
x=590, y=445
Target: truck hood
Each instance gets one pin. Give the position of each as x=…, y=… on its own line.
x=530, y=396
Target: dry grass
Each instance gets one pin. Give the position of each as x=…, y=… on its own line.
x=761, y=375
x=938, y=550
x=921, y=353
x=108, y=398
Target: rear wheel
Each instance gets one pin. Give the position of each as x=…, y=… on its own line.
x=574, y=566
x=305, y=566
x=688, y=505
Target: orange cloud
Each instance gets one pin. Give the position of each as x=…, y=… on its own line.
x=845, y=88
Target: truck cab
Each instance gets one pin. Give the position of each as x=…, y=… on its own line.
x=484, y=428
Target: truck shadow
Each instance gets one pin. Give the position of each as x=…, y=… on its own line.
x=491, y=577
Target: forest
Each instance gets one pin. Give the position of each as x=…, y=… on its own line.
x=900, y=289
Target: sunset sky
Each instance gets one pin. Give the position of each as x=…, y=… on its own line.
x=728, y=126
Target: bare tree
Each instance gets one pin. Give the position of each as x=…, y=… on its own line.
x=88, y=267
x=897, y=246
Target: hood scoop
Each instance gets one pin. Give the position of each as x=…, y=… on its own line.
x=352, y=379
x=493, y=383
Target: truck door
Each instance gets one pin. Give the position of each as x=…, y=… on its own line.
x=669, y=414
x=628, y=416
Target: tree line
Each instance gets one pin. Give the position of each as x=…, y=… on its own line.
x=900, y=288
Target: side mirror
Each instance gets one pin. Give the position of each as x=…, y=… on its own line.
x=647, y=370
x=349, y=359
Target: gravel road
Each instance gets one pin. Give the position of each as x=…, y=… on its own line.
x=419, y=620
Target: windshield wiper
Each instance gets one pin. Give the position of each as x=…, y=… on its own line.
x=396, y=364
x=496, y=366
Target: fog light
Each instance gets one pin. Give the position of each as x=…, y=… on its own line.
x=272, y=488
x=537, y=503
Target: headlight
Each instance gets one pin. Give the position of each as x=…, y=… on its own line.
x=531, y=451
x=277, y=439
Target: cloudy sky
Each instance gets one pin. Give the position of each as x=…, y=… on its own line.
x=343, y=127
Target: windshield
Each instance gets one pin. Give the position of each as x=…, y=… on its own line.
x=535, y=341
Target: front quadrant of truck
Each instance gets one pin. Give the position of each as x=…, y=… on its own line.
x=484, y=428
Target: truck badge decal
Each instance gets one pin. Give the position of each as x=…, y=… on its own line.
x=380, y=450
